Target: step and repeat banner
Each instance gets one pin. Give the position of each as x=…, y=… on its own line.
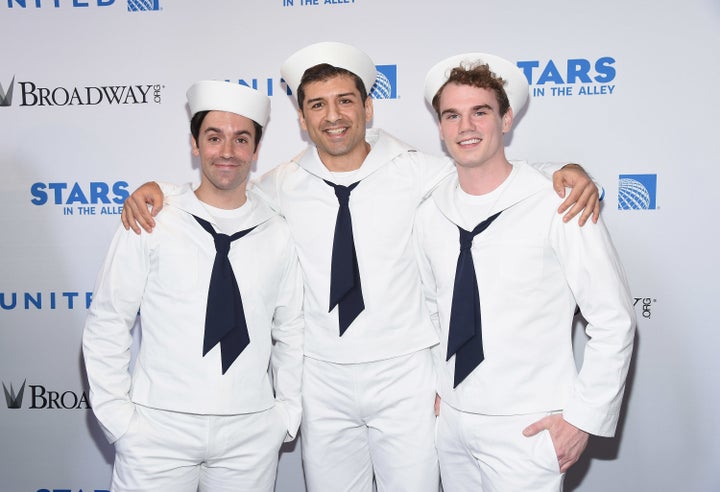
x=92, y=104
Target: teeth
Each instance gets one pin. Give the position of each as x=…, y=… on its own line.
x=470, y=141
x=336, y=131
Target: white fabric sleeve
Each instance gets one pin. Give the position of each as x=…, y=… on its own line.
x=597, y=279
x=171, y=189
x=266, y=189
x=107, y=334
x=549, y=168
x=287, y=352
x=429, y=289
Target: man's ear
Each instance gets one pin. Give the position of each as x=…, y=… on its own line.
x=194, y=145
x=369, y=109
x=301, y=117
x=507, y=120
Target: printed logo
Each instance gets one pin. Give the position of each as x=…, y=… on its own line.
x=34, y=94
x=10, y=301
x=637, y=192
x=264, y=85
x=386, y=83
x=316, y=3
x=42, y=398
x=14, y=401
x=94, y=198
x=143, y=5
x=6, y=96
x=572, y=77
x=38, y=4
x=132, y=5
x=644, y=304
x=70, y=490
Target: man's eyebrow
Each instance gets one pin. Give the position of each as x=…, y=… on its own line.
x=334, y=96
x=474, y=108
x=482, y=106
x=314, y=99
x=212, y=129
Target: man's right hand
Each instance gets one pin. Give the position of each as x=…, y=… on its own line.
x=568, y=440
x=140, y=207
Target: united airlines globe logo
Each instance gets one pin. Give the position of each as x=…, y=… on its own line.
x=637, y=192
x=143, y=5
x=386, y=83
x=632, y=195
x=382, y=88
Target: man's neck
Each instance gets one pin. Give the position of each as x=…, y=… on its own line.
x=485, y=178
x=346, y=162
x=223, y=199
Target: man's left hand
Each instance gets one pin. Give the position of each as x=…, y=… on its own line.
x=584, y=197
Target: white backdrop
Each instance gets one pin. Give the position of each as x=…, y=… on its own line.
x=93, y=96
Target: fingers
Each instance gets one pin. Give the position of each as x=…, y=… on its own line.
x=135, y=215
x=128, y=216
x=581, y=200
x=591, y=210
x=596, y=211
x=565, y=459
x=570, y=175
x=535, y=427
x=144, y=218
x=570, y=456
x=566, y=464
x=123, y=217
x=573, y=203
x=569, y=441
x=590, y=200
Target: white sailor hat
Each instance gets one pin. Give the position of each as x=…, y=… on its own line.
x=216, y=95
x=336, y=54
x=516, y=85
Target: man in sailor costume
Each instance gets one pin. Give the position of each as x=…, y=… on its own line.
x=503, y=274
x=219, y=291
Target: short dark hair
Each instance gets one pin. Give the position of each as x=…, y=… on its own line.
x=325, y=71
x=196, y=123
x=479, y=76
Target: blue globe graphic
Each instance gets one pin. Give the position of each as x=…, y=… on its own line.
x=382, y=88
x=632, y=195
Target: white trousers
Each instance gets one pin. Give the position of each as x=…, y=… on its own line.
x=367, y=419
x=179, y=452
x=488, y=453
